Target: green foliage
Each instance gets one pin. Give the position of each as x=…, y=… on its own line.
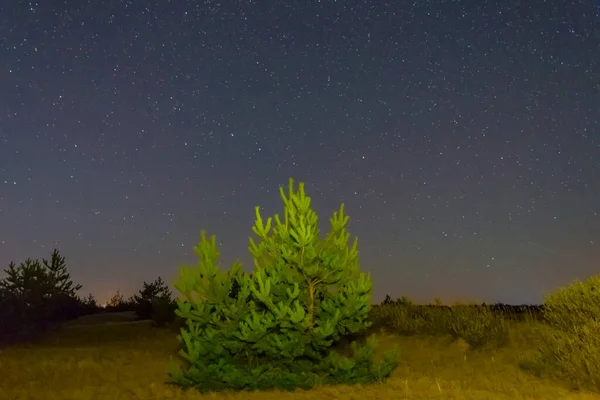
x=404, y=301
x=408, y=319
x=152, y=293
x=575, y=305
x=479, y=326
x=570, y=346
x=276, y=327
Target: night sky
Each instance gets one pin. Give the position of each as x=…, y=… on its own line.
x=462, y=136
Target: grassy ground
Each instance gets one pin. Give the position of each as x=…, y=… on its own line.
x=115, y=361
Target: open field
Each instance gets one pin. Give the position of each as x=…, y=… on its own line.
x=118, y=361
x=111, y=318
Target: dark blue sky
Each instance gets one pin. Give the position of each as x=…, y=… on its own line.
x=463, y=136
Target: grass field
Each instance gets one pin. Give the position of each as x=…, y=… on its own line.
x=114, y=360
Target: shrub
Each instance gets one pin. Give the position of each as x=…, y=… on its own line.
x=409, y=319
x=575, y=305
x=277, y=326
x=570, y=346
x=479, y=326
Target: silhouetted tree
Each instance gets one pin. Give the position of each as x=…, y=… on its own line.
x=89, y=304
x=117, y=303
x=388, y=300
x=36, y=294
x=155, y=292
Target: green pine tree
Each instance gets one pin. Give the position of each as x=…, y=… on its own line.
x=276, y=327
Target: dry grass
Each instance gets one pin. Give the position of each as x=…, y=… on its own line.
x=128, y=361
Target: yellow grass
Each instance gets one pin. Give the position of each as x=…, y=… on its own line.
x=115, y=361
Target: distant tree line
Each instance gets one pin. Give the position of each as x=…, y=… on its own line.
x=36, y=296
x=510, y=311
x=39, y=295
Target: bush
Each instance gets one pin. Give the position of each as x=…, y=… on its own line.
x=277, y=327
x=479, y=326
x=570, y=346
x=575, y=305
x=409, y=319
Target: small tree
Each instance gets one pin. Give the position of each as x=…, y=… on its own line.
x=89, y=304
x=155, y=292
x=61, y=279
x=90, y=301
x=117, y=302
x=29, y=279
x=46, y=284
x=279, y=330
x=38, y=293
x=388, y=300
x=66, y=304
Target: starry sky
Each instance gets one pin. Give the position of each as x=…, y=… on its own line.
x=463, y=136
